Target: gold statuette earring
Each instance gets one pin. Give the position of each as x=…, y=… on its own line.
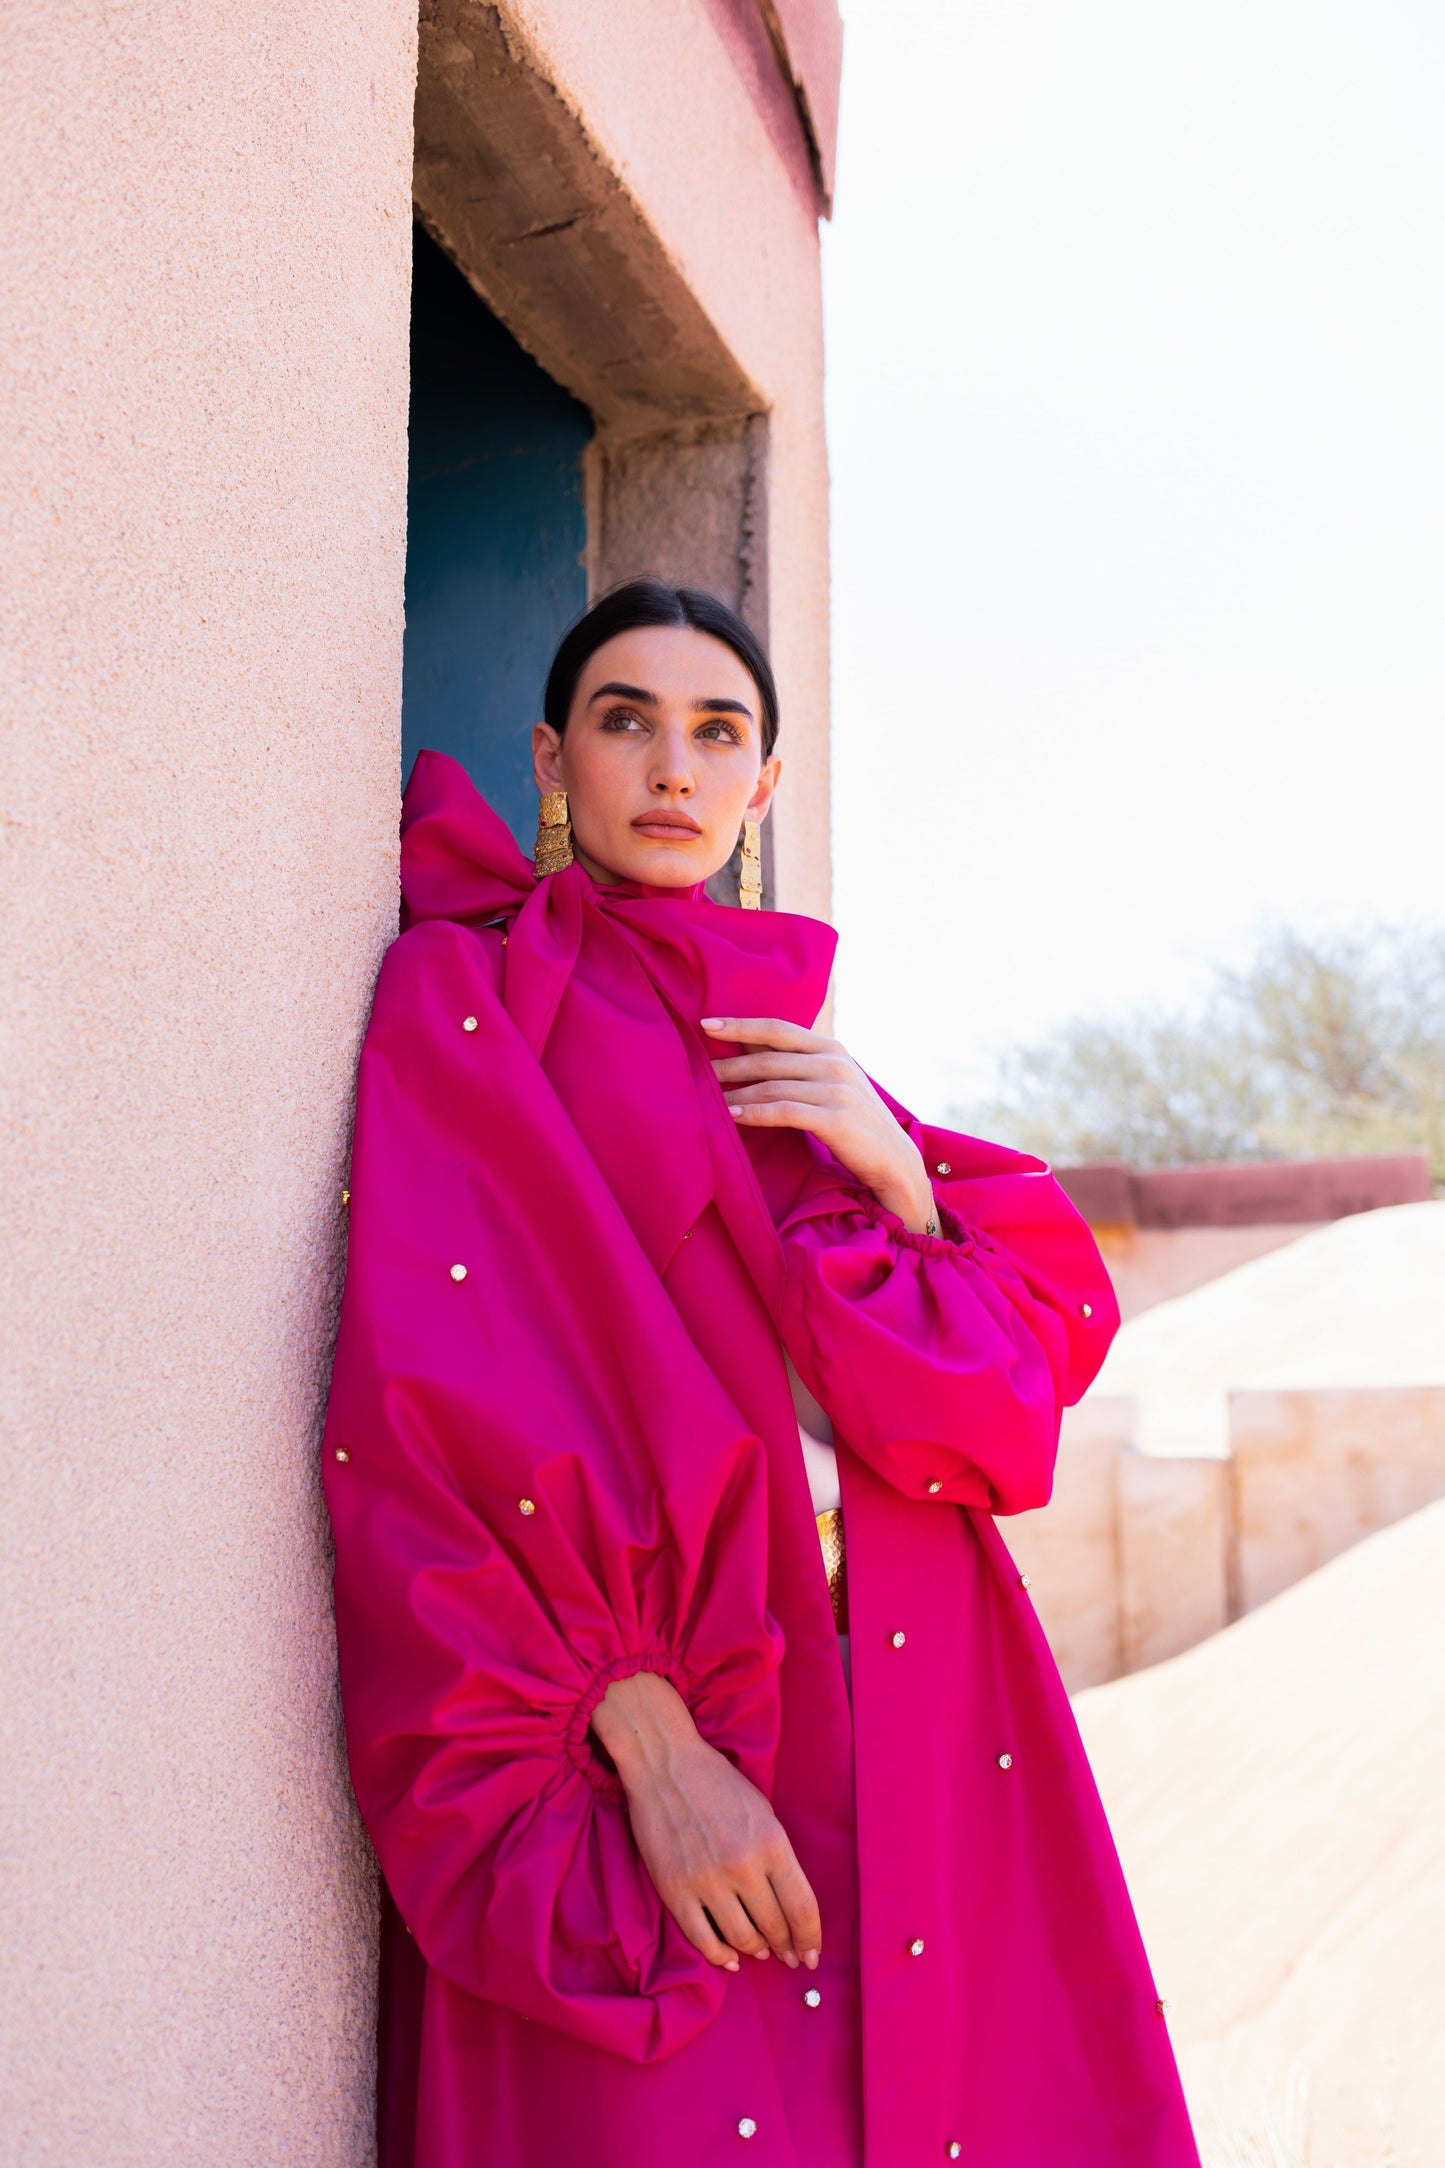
x=750, y=873
x=554, y=834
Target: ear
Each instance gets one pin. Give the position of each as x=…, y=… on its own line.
x=762, y=797
x=547, y=758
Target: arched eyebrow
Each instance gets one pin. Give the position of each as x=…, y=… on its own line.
x=727, y=707
x=614, y=689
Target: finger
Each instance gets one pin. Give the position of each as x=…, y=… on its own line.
x=807, y=1091
x=800, y=1908
x=783, y=1114
x=692, y=1918
x=730, y=1917
x=760, y=1902
x=765, y=1062
x=767, y=1031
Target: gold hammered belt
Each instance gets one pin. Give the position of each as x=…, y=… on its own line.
x=835, y=1562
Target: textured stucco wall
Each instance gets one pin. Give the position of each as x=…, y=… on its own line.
x=206, y=220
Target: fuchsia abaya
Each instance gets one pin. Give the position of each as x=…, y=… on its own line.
x=561, y=1448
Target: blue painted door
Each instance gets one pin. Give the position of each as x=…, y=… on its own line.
x=495, y=536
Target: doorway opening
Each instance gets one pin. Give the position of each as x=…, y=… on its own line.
x=496, y=537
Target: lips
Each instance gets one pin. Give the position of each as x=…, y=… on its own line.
x=663, y=824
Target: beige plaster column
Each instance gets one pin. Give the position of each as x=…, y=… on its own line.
x=206, y=226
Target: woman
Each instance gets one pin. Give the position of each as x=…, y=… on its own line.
x=694, y=1839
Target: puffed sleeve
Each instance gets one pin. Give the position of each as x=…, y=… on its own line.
x=518, y=1522
x=945, y=1362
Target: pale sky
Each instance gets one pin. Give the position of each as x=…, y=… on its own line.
x=1136, y=318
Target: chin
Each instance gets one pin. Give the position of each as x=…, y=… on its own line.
x=671, y=873
x=667, y=865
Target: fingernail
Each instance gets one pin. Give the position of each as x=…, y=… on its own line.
x=736, y=1113
x=761, y=1954
x=712, y=1023
x=810, y=1959
x=731, y=1965
x=790, y=1959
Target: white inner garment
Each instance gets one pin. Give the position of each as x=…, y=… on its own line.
x=815, y=1435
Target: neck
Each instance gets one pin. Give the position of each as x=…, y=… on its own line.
x=600, y=874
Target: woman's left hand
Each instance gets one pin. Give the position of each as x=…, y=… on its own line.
x=795, y=1079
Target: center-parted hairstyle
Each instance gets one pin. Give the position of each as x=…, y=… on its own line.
x=653, y=602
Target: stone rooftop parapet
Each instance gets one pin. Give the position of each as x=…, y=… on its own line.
x=1246, y=1193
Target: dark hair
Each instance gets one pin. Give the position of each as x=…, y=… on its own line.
x=655, y=602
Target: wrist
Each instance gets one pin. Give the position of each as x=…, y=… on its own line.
x=909, y=1194
x=642, y=1722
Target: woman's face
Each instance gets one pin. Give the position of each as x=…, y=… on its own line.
x=662, y=757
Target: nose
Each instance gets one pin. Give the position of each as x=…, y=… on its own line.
x=671, y=775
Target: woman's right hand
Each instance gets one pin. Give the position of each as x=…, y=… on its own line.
x=719, y=1857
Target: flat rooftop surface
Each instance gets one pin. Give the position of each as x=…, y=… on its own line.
x=1361, y=1302
x=1276, y=1795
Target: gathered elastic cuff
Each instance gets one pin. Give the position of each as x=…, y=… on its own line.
x=955, y=1237
x=581, y=1748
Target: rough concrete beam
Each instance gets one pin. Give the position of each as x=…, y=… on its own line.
x=511, y=183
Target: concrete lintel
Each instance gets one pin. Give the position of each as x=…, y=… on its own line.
x=510, y=181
